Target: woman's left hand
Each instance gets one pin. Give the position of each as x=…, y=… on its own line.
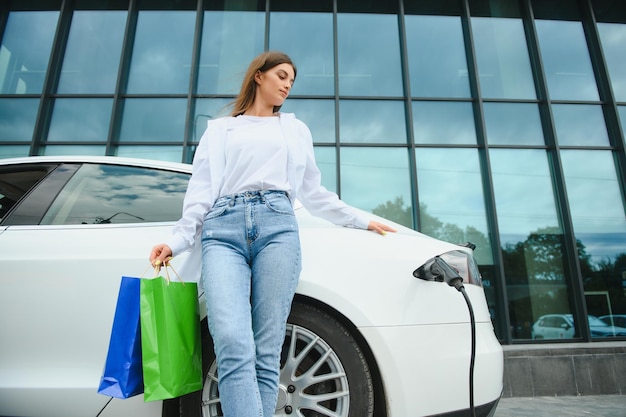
x=380, y=228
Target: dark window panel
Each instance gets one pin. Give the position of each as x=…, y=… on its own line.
x=167, y=4
x=556, y=9
x=301, y=6
x=101, y=4
x=367, y=6
x=609, y=11
x=235, y=5
x=495, y=8
x=439, y=7
x=35, y=5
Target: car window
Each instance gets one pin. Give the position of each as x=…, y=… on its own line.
x=15, y=182
x=554, y=321
x=103, y=194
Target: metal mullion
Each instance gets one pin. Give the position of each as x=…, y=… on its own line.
x=558, y=177
x=190, y=120
x=404, y=57
x=122, y=78
x=266, y=41
x=336, y=99
x=485, y=166
x=44, y=113
x=4, y=18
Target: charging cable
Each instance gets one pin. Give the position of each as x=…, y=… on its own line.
x=439, y=270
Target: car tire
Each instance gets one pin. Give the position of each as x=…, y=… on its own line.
x=323, y=372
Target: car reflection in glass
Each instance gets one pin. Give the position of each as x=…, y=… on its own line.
x=561, y=326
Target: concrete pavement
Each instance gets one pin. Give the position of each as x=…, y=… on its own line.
x=581, y=406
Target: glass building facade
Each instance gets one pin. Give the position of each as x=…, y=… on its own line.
x=499, y=122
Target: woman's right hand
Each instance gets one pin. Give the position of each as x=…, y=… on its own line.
x=160, y=254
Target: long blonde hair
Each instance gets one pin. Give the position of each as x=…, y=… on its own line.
x=262, y=62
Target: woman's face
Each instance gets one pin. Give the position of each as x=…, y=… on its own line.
x=273, y=85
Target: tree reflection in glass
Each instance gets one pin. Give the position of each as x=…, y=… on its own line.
x=600, y=225
x=531, y=237
x=373, y=176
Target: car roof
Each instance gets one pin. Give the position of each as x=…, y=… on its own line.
x=113, y=160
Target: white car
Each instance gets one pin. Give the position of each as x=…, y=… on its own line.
x=373, y=330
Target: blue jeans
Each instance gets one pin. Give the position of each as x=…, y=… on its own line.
x=250, y=267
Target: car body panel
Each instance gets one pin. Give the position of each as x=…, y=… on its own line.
x=425, y=374
x=377, y=286
x=55, y=310
x=60, y=285
x=618, y=320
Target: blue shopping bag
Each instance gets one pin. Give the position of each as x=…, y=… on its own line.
x=123, y=375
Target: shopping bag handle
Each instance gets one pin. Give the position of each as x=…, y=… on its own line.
x=167, y=274
x=168, y=265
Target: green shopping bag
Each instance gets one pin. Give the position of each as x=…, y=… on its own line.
x=170, y=338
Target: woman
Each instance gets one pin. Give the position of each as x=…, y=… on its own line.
x=247, y=171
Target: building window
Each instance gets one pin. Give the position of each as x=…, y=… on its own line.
x=80, y=120
x=226, y=49
x=25, y=51
x=580, y=125
x=565, y=56
x=161, y=60
x=385, y=170
x=504, y=70
x=513, y=124
x=452, y=204
x=93, y=52
x=531, y=238
x=612, y=36
x=313, y=55
x=17, y=119
x=369, y=55
x=443, y=122
x=372, y=121
x=600, y=227
x=436, y=55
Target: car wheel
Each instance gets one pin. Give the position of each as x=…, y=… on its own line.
x=323, y=372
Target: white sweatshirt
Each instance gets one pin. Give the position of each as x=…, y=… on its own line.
x=210, y=171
